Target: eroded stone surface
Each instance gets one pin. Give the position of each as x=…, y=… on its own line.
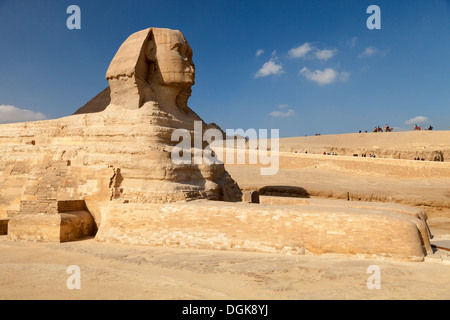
x=267, y=228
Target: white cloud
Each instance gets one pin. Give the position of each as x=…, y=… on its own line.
x=307, y=50
x=352, y=42
x=259, y=52
x=418, y=119
x=10, y=114
x=325, y=76
x=325, y=54
x=300, y=51
x=281, y=114
x=369, y=51
x=268, y=68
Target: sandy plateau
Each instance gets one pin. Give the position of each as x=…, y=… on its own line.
x=115, y=271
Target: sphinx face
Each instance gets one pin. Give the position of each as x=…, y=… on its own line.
x=174, y=56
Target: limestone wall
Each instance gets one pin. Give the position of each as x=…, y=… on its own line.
x=41, y=206
x=357, y=165
x=367, y=166
x=267, y=228
x=41, y=182
x=71, y=206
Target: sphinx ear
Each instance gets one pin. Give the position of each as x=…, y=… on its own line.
x=150, y=50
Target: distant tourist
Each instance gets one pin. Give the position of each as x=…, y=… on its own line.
x=430, y=128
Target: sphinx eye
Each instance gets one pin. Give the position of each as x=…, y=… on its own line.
x=179, y=48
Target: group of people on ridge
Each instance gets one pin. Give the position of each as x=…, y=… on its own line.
x=416, y=127
x=380, y=129
x=389, y=129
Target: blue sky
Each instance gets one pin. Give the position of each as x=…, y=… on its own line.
x=303, y=67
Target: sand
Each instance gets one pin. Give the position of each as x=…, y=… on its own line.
x=112, y=271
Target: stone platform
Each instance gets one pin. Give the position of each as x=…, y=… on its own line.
x=50, y=220
x=316, y=229
x=61, y=227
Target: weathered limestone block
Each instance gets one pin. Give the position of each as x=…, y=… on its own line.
x=265, y=228
x=200, y=225
x=284, y=200
x=251, y=197
x=61, y=227
x=71, y=206
x=415, y=215
x=39, y=206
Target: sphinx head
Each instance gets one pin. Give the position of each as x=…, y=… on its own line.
x=150, y=61
x=170, y=58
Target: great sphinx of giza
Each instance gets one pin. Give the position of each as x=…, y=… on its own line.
x=122, y=153
x=109, y=167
